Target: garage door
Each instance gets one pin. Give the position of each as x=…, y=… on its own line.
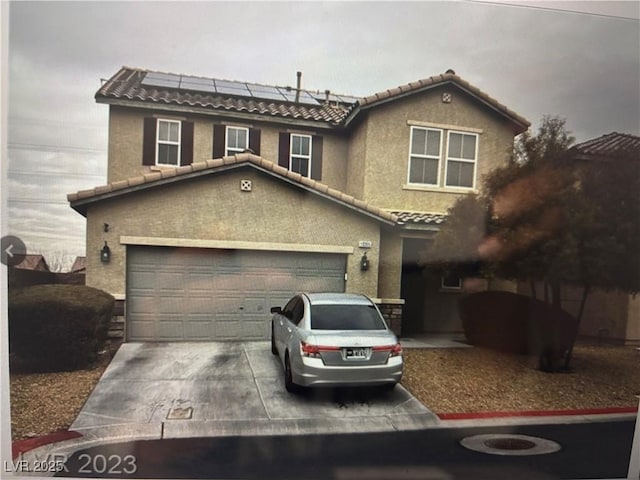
x=188, y=294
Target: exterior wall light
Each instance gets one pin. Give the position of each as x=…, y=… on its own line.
x=105, y=253
x=364, y=262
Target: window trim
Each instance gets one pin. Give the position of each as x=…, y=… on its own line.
x=474, y=162
x=234, y=150
x=451, y=288
x=168, y=142
x=307, y=157
x=424, y=156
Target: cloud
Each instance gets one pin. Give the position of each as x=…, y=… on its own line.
x=583, y=67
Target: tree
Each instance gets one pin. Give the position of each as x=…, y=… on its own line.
x=549, y=218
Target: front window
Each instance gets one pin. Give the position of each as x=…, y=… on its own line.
x=237, y=140
x=451, y=281
x=168, y=151
x=424, y=159
x=461, y=160
x=346, y=317
x=300, y=154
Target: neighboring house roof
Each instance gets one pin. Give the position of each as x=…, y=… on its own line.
x=607, y=146
x=79, y=264
x=165, y=90
x=34, y=262
x=81, y=199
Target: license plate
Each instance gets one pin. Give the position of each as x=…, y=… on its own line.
x=356, y=353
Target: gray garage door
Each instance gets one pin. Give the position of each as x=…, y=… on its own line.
x=188, y=294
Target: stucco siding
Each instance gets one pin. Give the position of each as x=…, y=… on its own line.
x=387, y=147
x=214, y=208
x=126, y=137
x=356, y=162
x=390, y=270
x=126, y=130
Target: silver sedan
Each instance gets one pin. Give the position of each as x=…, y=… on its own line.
x=334, y=339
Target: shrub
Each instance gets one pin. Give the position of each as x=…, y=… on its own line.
x=518, y=324
x=58, y=327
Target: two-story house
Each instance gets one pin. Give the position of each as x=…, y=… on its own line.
x=224, y=198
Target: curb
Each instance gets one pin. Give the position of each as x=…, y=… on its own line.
x=537, y=413
x=23, y=446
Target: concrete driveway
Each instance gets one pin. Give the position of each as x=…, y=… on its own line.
x=171, y=390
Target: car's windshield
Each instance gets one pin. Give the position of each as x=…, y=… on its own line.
x=345, y=317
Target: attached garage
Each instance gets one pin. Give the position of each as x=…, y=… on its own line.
x=192, y=294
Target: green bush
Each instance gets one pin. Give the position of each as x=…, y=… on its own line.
x=58, y=327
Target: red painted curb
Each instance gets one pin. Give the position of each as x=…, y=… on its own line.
x=536, y=413
x=22, y=446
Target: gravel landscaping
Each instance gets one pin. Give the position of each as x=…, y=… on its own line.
x=475, y=379
x=452, y=380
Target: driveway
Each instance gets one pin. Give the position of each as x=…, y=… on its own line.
x=225, y=388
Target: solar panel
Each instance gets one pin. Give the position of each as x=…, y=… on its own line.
x=241, y=89
x=268, y=96
x=231, y=84
x=196, y=80
x=262, y=88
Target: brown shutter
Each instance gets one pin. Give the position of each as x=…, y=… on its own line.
x=254, y=140
x=186, y=144
x=219, y=141
x=283, y=150
x=149, y=141
x=316, y=158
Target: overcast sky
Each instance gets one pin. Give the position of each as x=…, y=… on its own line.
x=583, y=67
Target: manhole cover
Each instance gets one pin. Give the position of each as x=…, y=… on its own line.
x=508, y=444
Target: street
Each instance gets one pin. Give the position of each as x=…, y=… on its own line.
x=588, y=450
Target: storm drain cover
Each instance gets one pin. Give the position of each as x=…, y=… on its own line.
x=179, y=413
x=508, y=444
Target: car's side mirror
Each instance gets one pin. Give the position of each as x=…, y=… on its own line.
x=276, y=310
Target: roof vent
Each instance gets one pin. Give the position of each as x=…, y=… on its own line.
x=451, y=71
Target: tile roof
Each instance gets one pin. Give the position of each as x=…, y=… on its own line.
x=419, y=218
x=448, y=77
x=129, y=84
x=609, y=145
x=79, y=199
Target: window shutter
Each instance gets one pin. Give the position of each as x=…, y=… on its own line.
x=254, y=140
x=186, y=144
x=283, y=150
x=149, y=141
x=219, y=140
x=316, y=158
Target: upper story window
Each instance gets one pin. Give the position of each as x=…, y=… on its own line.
x=424, y=158
x=237, y=140
x=232, y=140
x=168, y=151
x=301, y=153
x=457, y=152
x=300, y=156
x=461, y=159
x=167, y=142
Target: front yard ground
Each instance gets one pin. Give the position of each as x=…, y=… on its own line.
x=446, y=380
